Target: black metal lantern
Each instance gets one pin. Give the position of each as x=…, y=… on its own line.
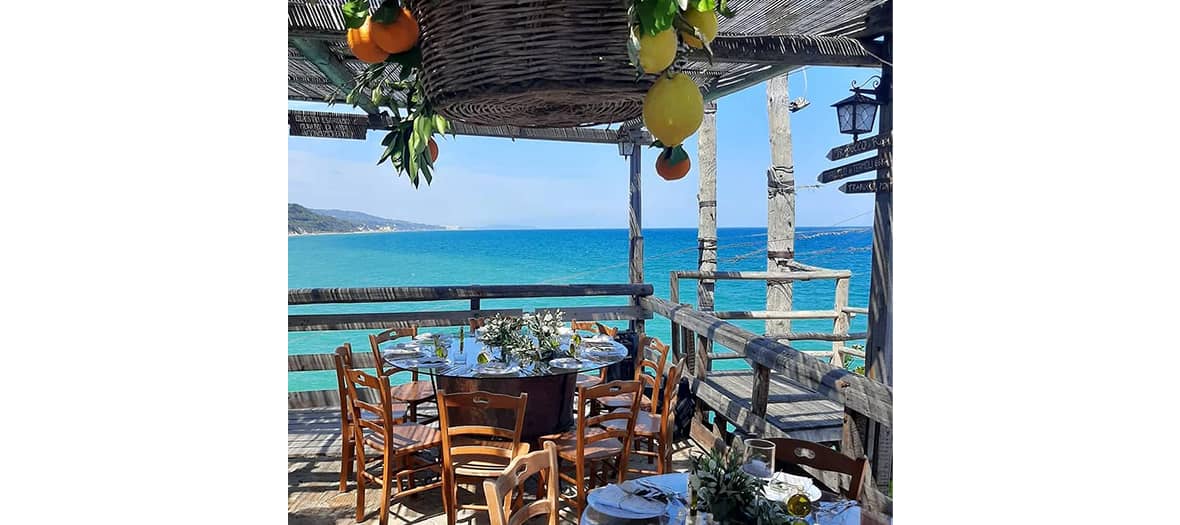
x=857, y=113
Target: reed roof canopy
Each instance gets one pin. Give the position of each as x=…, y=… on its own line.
x=765, y=39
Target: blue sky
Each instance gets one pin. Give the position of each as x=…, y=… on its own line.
x=483, y=181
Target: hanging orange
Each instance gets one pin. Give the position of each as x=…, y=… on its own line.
x=398, y=36
x=433, y=150
x=360, y=41
x=672, y=171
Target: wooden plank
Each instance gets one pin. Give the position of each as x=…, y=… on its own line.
x=866, y=186
x=298, y=296
x=761, y=390
x=864, y=145
x=863, y=395
x=306, y=362
x=791, y=50
x=819, y=336
x=856, y=310
x=840, y=324
x=856, y=168
x=737, y=411
x=386, y=320
x=766, y=276
x=767, y=314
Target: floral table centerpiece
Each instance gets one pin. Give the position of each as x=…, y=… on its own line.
x=545, y=328
x=502, y=332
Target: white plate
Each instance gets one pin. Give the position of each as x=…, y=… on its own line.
x=405, y=351
x=568, y=363
x=793, y=485
x=425, y=362
x=612, y=501
x=494, y=371
x=423, y=336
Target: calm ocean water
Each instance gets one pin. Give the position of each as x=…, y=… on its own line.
x=557, y=257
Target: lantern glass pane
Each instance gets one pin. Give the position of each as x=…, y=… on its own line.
x=865, y=115
x=844, y=115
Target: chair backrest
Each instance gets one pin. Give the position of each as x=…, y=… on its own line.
x=588, y=395
x=343, y=360
x=375, y=341
x=671, y=397
x=650, y=369
x=584, y=326
x=814, y=455
x=476, y=322
x=383, y=421
x=608, y=330
x=499, y=492
x=481, y=435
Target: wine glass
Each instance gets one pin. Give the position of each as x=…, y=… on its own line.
x=759, y=460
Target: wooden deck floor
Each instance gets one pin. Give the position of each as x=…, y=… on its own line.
x=793, y=410
x=313, y=476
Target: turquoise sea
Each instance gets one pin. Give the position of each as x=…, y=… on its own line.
x=462, y=257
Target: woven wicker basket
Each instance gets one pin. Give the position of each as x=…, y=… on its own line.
x=529, y=63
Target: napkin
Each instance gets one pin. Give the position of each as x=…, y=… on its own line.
x=616, y=496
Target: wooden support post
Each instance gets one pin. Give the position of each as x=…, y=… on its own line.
x=677, y=341
x=841, y=322
x=635, y=250
x=780, y=188
x=707, y=213
x=761, y=394
x=879, y=348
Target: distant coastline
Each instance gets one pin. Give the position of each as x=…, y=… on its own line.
x=306, y=221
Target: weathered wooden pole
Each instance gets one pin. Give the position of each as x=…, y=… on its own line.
x=879, y=348
x=707, y=215
x=780, y=190
x=635, y=250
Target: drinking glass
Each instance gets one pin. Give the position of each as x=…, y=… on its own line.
x=759, y=459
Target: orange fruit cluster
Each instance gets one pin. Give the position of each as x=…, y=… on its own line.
x=373, y=42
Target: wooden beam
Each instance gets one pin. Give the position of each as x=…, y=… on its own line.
x=322, y=58
x=791, y=50
x=858, y=393
x=818, y=336
x=780, y=203
x=388, y=294
x=386, y=320
x=748, y=80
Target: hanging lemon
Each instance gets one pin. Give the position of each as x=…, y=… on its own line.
x=673, y=109
x=705, y=21
x=657, y=52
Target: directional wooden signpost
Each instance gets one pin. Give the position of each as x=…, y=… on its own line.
x=860, y=146
x=867, y=186
x=858, y=167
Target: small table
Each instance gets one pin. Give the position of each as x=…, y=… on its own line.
x=854, y=515
x=549, y=409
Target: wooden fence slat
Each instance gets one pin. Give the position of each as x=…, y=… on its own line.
x=766, y=276
x=819, y=336
x=386, y=320
x=772, y=314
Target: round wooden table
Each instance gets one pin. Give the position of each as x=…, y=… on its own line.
x=550, y=406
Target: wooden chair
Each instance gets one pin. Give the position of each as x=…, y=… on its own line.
x=397, y=445
x=656, y=363
x=593, y=445
x=343, y=359
x=588, y=380
x=655, y=429
x=799, y=452
x=413, y=393
x=499, y=492
x=476, y=322
x=477, y=452
x=607, y=330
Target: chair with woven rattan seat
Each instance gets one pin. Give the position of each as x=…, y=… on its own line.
x=397, y=446
x=475, y=323
x=655, y=429
x=795, y=452
x=655, y=362
x=343, y=361
x=542, y=463
x=477, y=452
x=413, y=393
x=593, y=445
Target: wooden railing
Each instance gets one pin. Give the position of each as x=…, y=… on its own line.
x=841, y=314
